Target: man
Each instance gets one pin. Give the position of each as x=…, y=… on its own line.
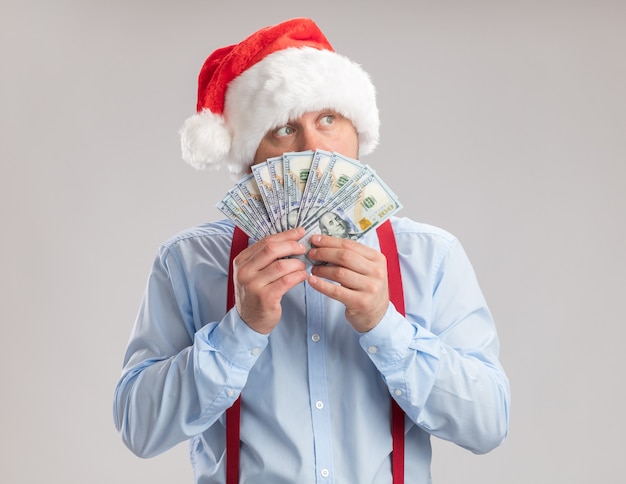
x=316, y=355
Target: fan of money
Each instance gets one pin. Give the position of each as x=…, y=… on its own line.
x=323, y=192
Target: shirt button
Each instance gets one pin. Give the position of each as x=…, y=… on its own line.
x=325, y=473
x=372, y=349
x=398, y=392
x=231, y=393
x=255, y=351
x=315, y=337
x=319, y=405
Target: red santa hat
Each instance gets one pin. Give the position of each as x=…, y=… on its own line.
x=275, y=75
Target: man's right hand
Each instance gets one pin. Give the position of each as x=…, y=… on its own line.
x=263, y=274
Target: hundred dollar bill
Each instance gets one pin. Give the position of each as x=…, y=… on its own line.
x=276, y=173
x=246, y=203
x=249, y=188
x=296, y=168
x=341, y=173
x=322, y=161
x=233, y=211
x=346, y=193
x=359, y=209
x=264, y=181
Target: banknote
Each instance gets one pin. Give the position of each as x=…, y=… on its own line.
x=326, y=193
x=263, y=177
x=230, y=209
x=276, y=174
x=356, y=210
x=341, y=173
x=332, y=191
x=321, y=163
x=250, y=189
x=296, y=168
x=244, y=201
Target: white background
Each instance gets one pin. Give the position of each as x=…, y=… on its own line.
x=502, y=121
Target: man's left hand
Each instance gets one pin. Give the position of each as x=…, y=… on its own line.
x=361, y=276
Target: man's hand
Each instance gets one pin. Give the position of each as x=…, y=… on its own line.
x=361, y=276
x=263, y=274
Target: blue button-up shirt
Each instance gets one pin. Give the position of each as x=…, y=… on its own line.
x=315, y=393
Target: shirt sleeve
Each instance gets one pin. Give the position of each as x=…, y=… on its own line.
x=176, y=380
x=440, y=362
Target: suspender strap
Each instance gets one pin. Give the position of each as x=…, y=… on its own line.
x=388, y=247
x=233, y=416
x=240, y=242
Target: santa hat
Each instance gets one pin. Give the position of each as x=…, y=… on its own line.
x=275, y=75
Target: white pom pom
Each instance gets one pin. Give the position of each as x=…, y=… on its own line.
x=205, y=141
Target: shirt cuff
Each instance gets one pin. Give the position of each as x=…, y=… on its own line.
x=236, y=341
x=394, y=340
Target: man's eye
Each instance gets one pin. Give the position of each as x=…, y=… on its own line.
x=284, y=131
x=327, y=119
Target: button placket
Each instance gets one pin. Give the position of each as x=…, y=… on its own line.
x=318, y=383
